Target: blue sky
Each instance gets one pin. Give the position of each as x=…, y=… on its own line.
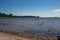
x=43, y=8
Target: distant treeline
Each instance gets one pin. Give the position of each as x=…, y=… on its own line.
x=5, y=15
x=26, y=16
x=11, y=15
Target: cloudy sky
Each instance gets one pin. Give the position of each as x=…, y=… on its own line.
x=42, y=8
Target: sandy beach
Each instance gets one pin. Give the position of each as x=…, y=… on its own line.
x=5, y=36
x=10, y=36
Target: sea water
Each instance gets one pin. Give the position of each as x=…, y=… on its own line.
x=39, y=25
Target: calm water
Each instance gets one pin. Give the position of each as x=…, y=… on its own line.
x=31, y=25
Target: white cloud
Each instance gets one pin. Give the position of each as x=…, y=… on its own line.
x=56, y=10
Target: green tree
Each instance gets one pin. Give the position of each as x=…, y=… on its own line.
x=11, y=14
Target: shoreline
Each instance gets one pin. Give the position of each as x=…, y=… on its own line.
x=23, y=36
x=5, y=35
